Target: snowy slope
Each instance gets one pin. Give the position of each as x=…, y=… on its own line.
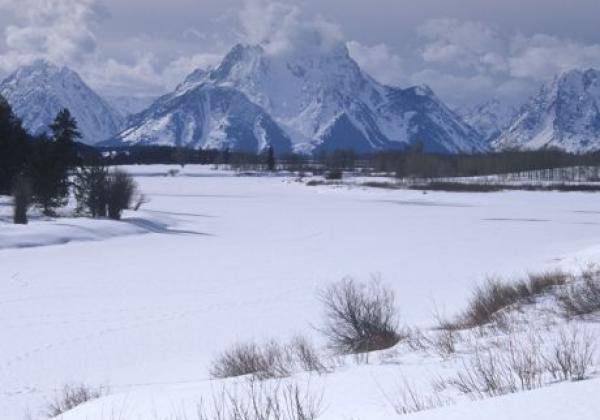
x=207, y=116
x=321, y=99
x=489, y=119
x=565, y=115
x=37, y=92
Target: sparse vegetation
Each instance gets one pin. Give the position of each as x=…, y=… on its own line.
x=490, y=299
x=359, y=318
x=269, y=360
x=582, y=296
x=571, y=355
x=257, y=400
x=72, y=396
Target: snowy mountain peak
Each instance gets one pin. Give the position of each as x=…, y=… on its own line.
x=489, y=118
x=37, y=92
x=564, y=115
x=319, y=98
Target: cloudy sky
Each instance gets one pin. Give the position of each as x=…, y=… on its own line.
x=466, y=50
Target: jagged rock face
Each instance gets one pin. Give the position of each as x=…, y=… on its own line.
x=564, y=115
x=316, y=100
x=489, y=119
x=39, y=91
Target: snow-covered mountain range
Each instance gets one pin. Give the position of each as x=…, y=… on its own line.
x=37, y=92
x=307, y=102
x=564, y=115
x=489, y=118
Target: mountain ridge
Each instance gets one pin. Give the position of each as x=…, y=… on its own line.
x=38, y=91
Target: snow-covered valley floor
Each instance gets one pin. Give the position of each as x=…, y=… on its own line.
x=143, y=306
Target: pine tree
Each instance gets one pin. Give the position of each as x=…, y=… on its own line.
x=270, y=159
x=14, y=147
x=51, y=162
x=64, y=134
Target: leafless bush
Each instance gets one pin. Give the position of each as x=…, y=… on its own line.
x=523, y=362
x=514, y=365
x=268, y=361
x=121, y=191
x=263, y=401
x=582, y=296
x=359, y=318
x=572, y=355
x=307, y=355
x=484, y=375
x=72, y=396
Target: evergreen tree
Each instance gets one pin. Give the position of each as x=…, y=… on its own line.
x=14, y=145
x=49, y=180
x=52, y=160
x=270, y=159
x=64, y=134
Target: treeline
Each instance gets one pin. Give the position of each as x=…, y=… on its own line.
x=420, y=165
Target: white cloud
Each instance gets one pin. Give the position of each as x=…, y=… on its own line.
x=463, y=44
x=283, y=28
x=542, y=56
x=58, y=30
x=63, y=32
x=380, y=62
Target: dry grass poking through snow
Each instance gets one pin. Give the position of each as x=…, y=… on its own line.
x=269, y=360
x=72, y=396
x=258, y=400
x=582, y=297
x=490, y=299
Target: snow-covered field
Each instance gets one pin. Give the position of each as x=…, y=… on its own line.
x=145, y=304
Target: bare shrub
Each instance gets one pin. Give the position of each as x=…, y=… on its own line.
x=121, y=190
x=264, y=362
x=513, y=365
x=359, y=318
x=483, y=376
x=22, y=199
x=307, y=355
x=263, y=401
x=72, y=396
x=521, y=363
x=572, y=355
x=582, y=297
